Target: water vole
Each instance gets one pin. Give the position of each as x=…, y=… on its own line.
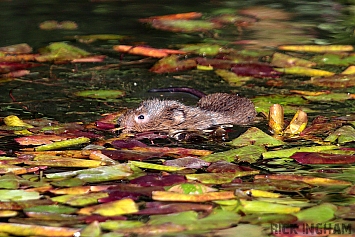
x=212, y=109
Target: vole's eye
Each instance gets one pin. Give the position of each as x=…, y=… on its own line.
x=141, y=116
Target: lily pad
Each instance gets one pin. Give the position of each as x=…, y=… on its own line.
x=254, y=136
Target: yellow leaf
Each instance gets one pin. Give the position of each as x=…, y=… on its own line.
x=115, y=208
x=317, y=48
x=261, y=193
x=14, y=121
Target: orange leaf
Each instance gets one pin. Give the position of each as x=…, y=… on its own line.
x=146, y=51
x=179, y=16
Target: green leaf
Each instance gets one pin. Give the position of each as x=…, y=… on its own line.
x=254, y=136
x=317, y=214
x=146, y=165
x=289, y=152
x=63, y=144
x=266, y=207
x=52, y=209
x=117, y=225
x=101, y=94
x=343, y=135
x=246, y=154
x=80, y=199
x=18, y=195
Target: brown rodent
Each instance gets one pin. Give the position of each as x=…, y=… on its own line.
x=213, y=109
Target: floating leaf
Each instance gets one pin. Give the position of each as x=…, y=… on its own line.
x=117, y=225
x=232, y=78
x=334, y=59
x=190, y=188
x=318, y=214
x=322, y=158
x=115, y=208
x=22, y=48
x=289, y=152
x=187, y=15
x=61, y=51
x=184, y=25
x=248, y=154
x=101, y=94
x=317, y=48
x=55, y=25
x=158, y=180
x=336, y=81
x=80, y=199
x=145, y=165
x=284, y=60
x=173, y=64
x=263, y=103
x=330, y=97
x=219, y=178
x=153, y=208
x=146, y=51
x=305, y=71
x=255, y=70
x=343, y=135
x=254, y=136
x=36, y=230
x=266, y=207
x=63, y=144
x=17, y=195
x=172, y=196
x=306, y=179
x=15, y=121
x=187, y=162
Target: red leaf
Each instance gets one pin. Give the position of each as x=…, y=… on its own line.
x=255, y=70
x=322, y=158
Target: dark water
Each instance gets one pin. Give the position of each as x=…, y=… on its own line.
x=48, y=91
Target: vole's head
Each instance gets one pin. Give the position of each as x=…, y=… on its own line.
x=153, y=114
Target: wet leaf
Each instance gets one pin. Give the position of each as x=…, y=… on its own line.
x=115, y=208
x=145, y=165
x=336, y=81
x=173, y=64
x=317, y=48
x=60, y=51
x=223, y=167
x=22, y=48
x=51, y=209
x=266, y=207
x=158, y=180
x=187, y=162
x=232, y=78
x=101, y=94
x=246, y=154
x=191, y=188
x=330, y=97
x=187, y=15
x=154, y=208
x=289, y=152
x=306, y=179
x=63, y=144
x=146, y=51
x=305, y=71
x=343, y=135
x=284, y=60
x=36, y=230
x=55, y=25
x=80, y=199
x=322, y=158
x=263, y=103
x=318, y=214
x=118, y=225
x=219, y=178
x=184, y=25
x=255, y=70
x=334, y=59
x=15, y=121
x=254, y=136
x=173, y=196
x=99, y=174
x=18, y=195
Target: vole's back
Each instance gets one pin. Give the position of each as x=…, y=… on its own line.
x=236, y=109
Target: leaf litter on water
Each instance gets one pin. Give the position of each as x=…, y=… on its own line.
x=173, y=188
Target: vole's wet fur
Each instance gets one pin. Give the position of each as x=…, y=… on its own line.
x=213, y=109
